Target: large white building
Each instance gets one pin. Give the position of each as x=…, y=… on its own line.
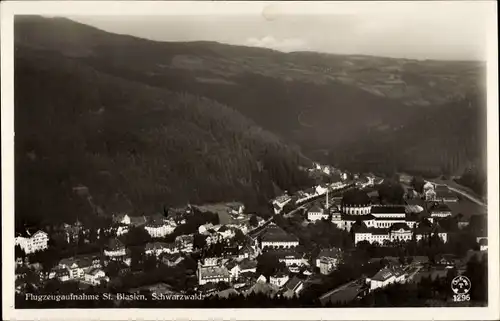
x=397, y=232
x=158, y=227
x=317, y=213
x=275, y=237
x=31, y=243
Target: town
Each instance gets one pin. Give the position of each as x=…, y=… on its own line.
x=339, y=243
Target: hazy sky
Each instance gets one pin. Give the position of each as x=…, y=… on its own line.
x=421, y=30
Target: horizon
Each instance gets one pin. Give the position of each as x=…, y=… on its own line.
x=429, y=31
x=311, y=51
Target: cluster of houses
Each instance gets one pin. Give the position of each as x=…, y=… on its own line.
x=86, y=269
x=380, y=223
x=301, y=197
x=239, y=270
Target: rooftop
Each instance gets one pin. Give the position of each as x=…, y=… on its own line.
x=115, y=245
x=213, y=271
x=386, y=273
x=439, y=207
x=390, y=209
x=315, y=209
x=398, y=226
x=158, y=246
x=247, y=264
x=276, y=234
x=293, y=283
x=329, y=252
x=364, y=217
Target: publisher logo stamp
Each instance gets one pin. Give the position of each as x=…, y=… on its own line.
x=461, y=286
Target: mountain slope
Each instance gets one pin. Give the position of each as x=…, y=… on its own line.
x=129, y=118
x=448, y=140
x=135, y=147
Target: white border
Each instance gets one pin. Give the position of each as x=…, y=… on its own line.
x=267, y=10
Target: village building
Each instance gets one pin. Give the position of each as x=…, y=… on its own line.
x=328, y=260
x=138, y=221
x=185, y=243
x=462, y=222
x=60, y=273
x=158, y=227
x=32, y=242
x=397, y=232
x=483, y=243
x=158, y=248
x=290, y=257
x=236, y=208
x=354, y=209
x=280, y=202
x=425, y=232
x=212, y=271
x=327, y=265
x=321, y=189
x=316, y=213
x=234, y=269
x=446, y=260
x=76, y=266
x=293, y=287
x=172, y=259
x=225, y=232
x=96, y=276
x=116, y=251
x=121, y=218
x=114, y=248
x=279, y=279
x=275, y=237
x=246, y=252
x=386, y=276
x=248, y=265
x=439, y=210
x=444, y=194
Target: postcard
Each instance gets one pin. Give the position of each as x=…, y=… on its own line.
x=250, y=160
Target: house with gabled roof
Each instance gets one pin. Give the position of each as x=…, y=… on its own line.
x=316, y=212
x=275, y=236
x=212, y=273
x=172, y=259
x=386, y=276
x=76, y=266
x=96, y=276
x=439, y=210
x=158, y=226
x=121, y=218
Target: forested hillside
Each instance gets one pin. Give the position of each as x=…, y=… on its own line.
x=134, y=147
x=444, y=141
x=121, y=123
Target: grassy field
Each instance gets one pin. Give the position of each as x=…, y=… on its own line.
x=222, y=209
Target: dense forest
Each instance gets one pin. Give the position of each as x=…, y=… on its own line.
x=132, y=147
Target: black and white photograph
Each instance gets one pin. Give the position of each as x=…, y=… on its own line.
x=315, y=157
